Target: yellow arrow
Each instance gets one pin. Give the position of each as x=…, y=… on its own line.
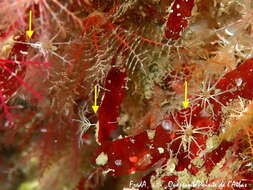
x=95, y=106
x=185, y=102
x=29, y=32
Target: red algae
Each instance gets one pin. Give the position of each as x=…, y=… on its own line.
x=110, y=106
x=177, y=19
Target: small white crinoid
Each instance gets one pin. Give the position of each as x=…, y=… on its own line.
x=208, y=93
x=187, y=135
x=47, y=47
x=85, y=124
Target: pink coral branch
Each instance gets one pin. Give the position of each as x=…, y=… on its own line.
x=35, y=93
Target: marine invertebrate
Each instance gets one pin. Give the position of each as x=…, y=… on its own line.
x=46, y=47
x=85, y=124
x=209, y=94
x=191, y=137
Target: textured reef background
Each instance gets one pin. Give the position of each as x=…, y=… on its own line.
x=173, y=80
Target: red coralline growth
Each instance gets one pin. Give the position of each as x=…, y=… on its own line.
x=177, y=20
x=120, y=153
x=216, y=155
x=141, y=152
x=183, y=133
x=239, y=79
x=110, y=106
